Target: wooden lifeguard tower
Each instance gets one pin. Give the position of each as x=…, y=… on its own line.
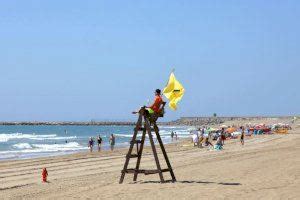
x=146, y=124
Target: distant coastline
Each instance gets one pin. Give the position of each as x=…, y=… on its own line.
x=35, y=123
x=183, y=121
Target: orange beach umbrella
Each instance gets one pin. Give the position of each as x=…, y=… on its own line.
x=231, y=130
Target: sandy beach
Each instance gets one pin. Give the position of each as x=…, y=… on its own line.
x=216, y=83
x=267, y=167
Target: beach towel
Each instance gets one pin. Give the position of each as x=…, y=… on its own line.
x=218, y=147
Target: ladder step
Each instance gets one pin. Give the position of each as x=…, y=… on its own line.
x=142, y=129
x=136, y=142
x=144, y=171
x=133, y=156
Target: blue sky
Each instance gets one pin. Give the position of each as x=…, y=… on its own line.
x=83, y=60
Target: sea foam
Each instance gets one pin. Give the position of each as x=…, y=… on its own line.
x=4, y=137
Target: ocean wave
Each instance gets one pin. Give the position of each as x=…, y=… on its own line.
x=163, y=134
x=56, y=138
x=173, y=127
x=25, y=150
x=4, y=137
x=179, y=132
x=58, y=147
x=127, y=135
x=22, y=146
x=40, y=148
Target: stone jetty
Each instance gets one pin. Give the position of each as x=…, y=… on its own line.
x=68, y=123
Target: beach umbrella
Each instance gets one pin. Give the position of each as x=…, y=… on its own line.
x=224, y=126
x=231, y=130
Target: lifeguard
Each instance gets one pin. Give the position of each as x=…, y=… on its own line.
x=158, y=106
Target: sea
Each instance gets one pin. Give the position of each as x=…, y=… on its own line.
x=23, y=142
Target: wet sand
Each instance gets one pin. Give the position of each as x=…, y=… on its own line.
x=266, y=167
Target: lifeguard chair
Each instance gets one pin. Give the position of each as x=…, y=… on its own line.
x=146, y=123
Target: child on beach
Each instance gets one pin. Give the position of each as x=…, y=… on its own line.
x=91, y=144
x=44, y=175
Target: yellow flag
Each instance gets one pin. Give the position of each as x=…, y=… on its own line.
x=174, y=91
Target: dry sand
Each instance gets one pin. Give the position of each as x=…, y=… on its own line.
x=267, y=167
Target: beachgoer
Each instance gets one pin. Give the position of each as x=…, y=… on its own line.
x=219, y=143
x=99, y=141
x=243, y=136
x=201, y=138
x=112, y=141
x=195, y=138
x=172, y=135
x=91, y=144
x=207, y=142
x=176, y=136
x=223, y=137
x=44, y=175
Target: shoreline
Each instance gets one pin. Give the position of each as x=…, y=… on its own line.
x=122, y=150
x=104, y=151
x=23, y=142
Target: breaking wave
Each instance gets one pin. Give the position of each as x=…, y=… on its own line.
x=4, y=137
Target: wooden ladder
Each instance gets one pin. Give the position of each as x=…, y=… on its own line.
x=146, y=129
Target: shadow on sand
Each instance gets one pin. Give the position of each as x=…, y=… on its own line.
x=189, y=182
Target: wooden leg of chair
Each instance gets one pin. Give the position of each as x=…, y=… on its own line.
x=164, y=153
x=140, y=152
x=138, y=125
x=154, y=151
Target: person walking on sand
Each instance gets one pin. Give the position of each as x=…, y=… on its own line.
x=99, y=141
x=223, y=136
x=44, y=175
x=243, y=136
x=172, y=135
x=91, y=144
x=112, y=142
